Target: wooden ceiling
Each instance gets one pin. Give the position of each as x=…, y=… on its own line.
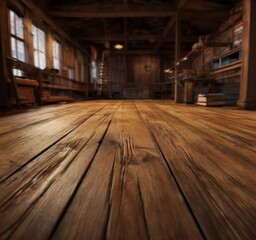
x=143, y=26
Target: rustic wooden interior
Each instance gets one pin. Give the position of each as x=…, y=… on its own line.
x=149, y=141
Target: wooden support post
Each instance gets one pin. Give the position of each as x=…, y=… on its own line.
x=248, y=77
x=29, y=38
x=40, y=87
x=125, y=47
x=178, y=93
x=3, y=55
x=86, y=76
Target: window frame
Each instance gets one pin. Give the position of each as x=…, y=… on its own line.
x=59, y=57
x=14, y=36
x=40, y=52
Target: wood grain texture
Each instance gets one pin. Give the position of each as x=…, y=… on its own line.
x=128, y=170
x=32, y=139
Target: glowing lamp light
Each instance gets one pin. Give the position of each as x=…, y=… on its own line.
x=118, y=46
x=168, y=70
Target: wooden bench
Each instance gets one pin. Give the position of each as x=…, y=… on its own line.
x=54, y=99
x=26, y=90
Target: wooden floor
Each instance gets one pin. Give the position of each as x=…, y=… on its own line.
x=128, y=170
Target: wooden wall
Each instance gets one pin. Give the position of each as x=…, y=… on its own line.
x=3, y=70
x=31, y=14
x=133, y=76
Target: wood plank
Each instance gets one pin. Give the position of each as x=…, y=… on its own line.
x=92, y=13
x=128, y=170
x=237, y=128
x=121, y=186
x=205, y=159
x=15, y=120
x=47, y=184
x=42, y=136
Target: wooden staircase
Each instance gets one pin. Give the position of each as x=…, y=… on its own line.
x=105, y=90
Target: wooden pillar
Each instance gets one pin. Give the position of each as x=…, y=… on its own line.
x=49, y=45
x=86, y=76
x=178, y=93
x=248, y=77
x=3, y=55
x=29, y=38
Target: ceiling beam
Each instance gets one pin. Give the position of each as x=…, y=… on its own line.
x=126, y=33
x=140, y=52
x=46, y=3
x=168, y=28
x=182, y=4
x=110, y=14
x=170, y=25
x=116, y=37
x=94, y=13
x=188, y=39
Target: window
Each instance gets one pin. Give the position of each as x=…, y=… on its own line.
x=39, y=47
x=17, y=37
x=71, y=73
x=93, y=71
x=56, y=55
x=17, y=72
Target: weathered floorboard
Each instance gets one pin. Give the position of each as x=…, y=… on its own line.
x=128, y=150
x=32, y=140
x=216, y=168
x=47, y=184
x=128, y=170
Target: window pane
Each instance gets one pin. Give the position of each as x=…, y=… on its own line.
x=35, y=37
x=17, y=72
x=56, y=63
x=21, y=50
x=71, y=73
x=54, y=49
x=14, y=47
x=41, y=40
x=19, y=27
x=35, y=41
x=56, y=55
x=33, y=30
x=12, y=22
x=39, y=47
x=36, y=58
x=42, y=60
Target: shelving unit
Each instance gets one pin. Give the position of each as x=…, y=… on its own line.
x=42, y=86
x=228, y=59
x=227, y=73
x=219, y=75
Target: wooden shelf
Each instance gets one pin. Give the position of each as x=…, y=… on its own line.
x=228, y=67
x=228, y=76
x=232, y=51
x=46, y=79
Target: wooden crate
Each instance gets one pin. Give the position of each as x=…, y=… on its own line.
x=26, y=95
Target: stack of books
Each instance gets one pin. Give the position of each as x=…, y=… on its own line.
x=211, y=99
